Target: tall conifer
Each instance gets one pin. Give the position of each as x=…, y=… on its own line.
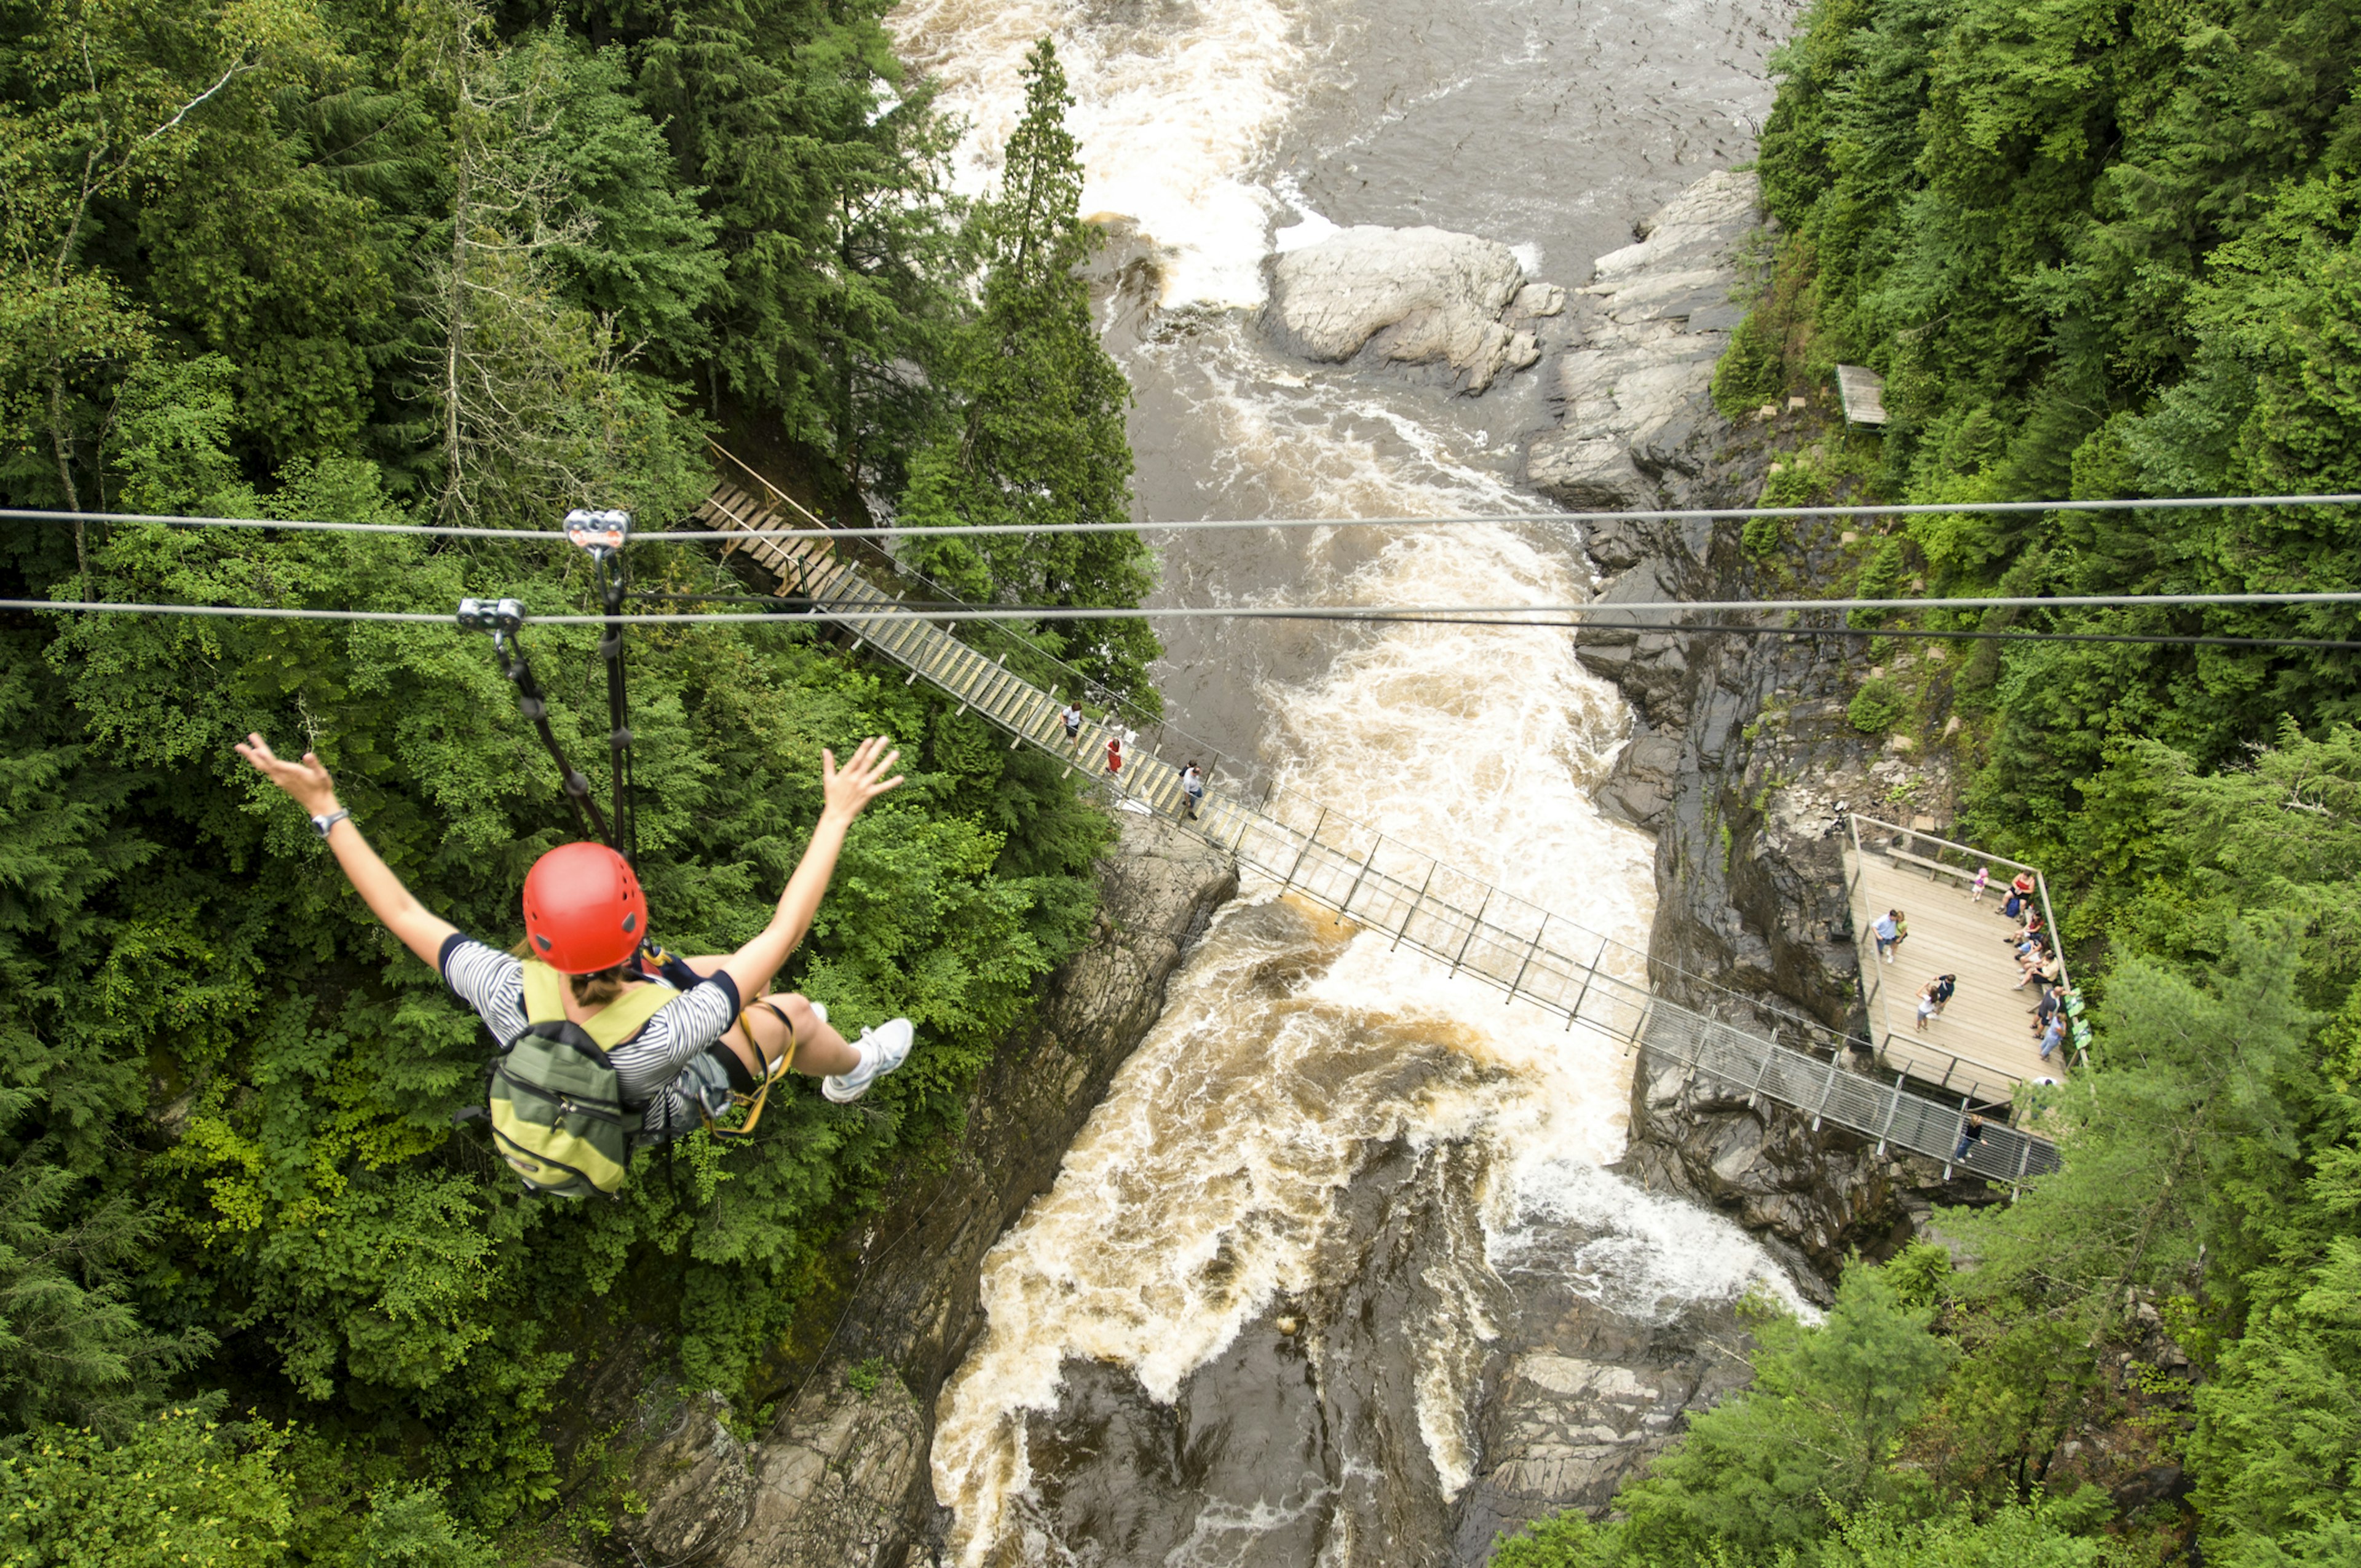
x=1041, y=439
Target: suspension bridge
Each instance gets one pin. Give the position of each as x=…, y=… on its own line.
x=1383, y=886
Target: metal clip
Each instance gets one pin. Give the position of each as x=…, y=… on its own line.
x=600, y=532
x=502, y=617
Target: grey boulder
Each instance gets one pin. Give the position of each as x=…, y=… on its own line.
x=1417, y=296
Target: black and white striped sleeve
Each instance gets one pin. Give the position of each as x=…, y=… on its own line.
x=653, y=1058
x=487, y=980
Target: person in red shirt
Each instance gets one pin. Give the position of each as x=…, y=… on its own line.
x=1114, y=755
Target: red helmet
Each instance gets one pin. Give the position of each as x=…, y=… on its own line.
x=583, y=909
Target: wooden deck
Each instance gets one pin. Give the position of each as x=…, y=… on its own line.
x=1983, y=1046
x=1862, y=392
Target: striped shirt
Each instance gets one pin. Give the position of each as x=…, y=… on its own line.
x=649, y=1063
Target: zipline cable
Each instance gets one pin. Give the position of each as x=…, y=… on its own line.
x=706, y=536
x=1574, y=615
x=953, y=611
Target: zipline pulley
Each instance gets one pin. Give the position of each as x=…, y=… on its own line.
x=602, y=535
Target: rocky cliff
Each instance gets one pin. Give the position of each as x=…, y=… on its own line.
x=1742, y=757
x=840, y=1475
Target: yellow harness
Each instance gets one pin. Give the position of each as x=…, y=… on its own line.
x=612, y=1025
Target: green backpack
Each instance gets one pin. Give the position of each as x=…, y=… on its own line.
x=557, y=1105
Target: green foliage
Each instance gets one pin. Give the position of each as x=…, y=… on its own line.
x=824, y=167
x=1042, y=438
x=866, y=1377
x=1878, y=708
x=1830, y=1406
x=2040, y=1534
x=282, y=260
x=2104, y=250
x=370, y=1270
x=408, y=1528
x=1750, y=372
x=178, y=1490
x=1563, y=1541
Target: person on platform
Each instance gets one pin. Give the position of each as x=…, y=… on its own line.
x=1887, y=929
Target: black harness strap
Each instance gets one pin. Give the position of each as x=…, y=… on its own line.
x=504, y=619
x=602, y=535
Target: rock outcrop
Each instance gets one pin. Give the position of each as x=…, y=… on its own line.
x=1587, y=1400
x=1649, y=328
x=1742, y=758
x=840, y=1475
x=1416, y=296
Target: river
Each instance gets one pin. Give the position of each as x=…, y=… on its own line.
x=1250, y=1321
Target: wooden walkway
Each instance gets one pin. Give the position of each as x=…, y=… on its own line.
x=1380, y=883
x=1862, y=392
x=1982, y=1045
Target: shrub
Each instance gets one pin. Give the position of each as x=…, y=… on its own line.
x=1879, y=707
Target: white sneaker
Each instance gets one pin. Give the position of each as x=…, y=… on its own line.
x=882, y=1049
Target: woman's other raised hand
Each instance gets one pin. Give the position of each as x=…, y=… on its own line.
x=307, y=780
x=861, y=779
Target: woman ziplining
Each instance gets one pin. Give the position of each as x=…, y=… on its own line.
x=596, y=1056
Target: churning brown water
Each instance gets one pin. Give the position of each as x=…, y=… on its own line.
x=1307, y=1092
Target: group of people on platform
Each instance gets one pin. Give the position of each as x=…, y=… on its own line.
x=2038, y=963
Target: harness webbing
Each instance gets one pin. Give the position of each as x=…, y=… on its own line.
x=602, y=535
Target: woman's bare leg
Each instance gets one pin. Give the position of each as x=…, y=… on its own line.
x=819, y=1049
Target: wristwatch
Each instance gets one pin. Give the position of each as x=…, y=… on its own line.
x=322, y=824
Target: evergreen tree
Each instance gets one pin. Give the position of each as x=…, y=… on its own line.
x=825, y=168
x=1041, y=437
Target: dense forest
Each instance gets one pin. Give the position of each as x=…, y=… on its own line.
x=260, y=1303
x=2098, y=250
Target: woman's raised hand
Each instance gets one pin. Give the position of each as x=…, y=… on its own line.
x=307, y=780
x=861, y=779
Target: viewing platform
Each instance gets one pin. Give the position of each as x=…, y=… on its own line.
x=1981, y=1046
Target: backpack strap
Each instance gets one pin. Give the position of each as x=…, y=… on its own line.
x=545, y=993
x=544, y=1003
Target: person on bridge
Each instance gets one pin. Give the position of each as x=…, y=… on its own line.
x=1192, y=789
x=1114, y=757
x=1983, y=880
x=1072, y=717
x=586, y=919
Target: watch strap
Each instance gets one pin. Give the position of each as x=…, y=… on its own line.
x=324, y=826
